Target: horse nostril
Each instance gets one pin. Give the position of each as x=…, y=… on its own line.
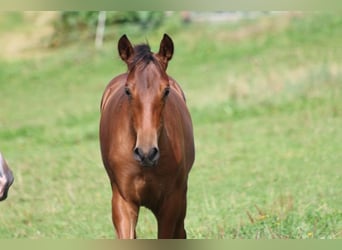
x=153, y=155
x=149, y=159
x=138, y=154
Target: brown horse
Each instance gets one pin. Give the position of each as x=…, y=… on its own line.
x=6, y=178
x=146, y=140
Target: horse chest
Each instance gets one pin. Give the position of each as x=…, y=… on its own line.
x=149, y=188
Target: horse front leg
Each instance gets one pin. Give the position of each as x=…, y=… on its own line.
x=171, y=217
x=124, y=216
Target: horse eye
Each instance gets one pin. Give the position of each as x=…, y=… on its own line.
x=128, y=92
x=166, y=92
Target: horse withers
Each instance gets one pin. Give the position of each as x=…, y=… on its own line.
x=146, y=140
x=6, y=178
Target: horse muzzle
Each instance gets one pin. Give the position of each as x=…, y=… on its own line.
x=147, y=159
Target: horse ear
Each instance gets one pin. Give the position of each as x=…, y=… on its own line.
x=125, y=48
x=166, y=49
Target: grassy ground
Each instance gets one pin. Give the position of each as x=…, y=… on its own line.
x=265, y=97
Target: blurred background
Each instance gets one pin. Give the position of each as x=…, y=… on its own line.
x=264, y=90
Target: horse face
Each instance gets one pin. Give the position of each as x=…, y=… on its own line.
x=147, y=91
x=147, y=88
x=6, y=178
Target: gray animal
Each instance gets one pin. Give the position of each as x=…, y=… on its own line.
x=6, y=178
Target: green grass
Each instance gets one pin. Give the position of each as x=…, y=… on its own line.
x=265, y=97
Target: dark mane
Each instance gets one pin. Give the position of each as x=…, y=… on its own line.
x=143, y=53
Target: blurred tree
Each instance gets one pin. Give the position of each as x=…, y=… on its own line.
x=150, y=19
x=100, y=29
x=75, y=25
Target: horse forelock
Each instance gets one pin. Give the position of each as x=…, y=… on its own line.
x=142, y=52
x=143, y=56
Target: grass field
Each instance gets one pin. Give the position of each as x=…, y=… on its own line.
x=266, y=101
